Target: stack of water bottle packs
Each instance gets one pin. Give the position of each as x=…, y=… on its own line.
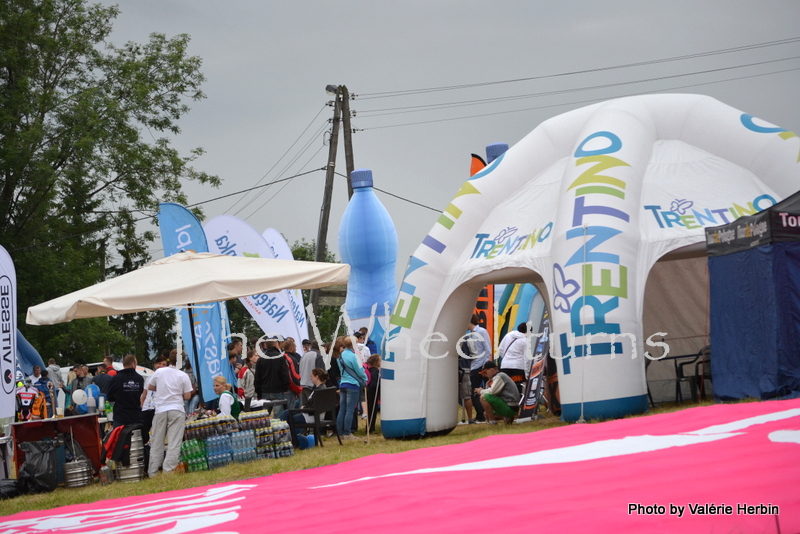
x=210, y=426
x=254, y=420
x=214, y=441
x=219, y=451
x=274, y=441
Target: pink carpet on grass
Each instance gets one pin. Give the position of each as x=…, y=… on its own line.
x=648, y=474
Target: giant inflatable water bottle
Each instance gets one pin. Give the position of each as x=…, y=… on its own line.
x=368, y=243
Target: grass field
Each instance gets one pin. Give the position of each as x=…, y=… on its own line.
x=331, y=454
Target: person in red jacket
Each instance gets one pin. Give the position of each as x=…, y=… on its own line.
x=292, y=360
x=109, y=361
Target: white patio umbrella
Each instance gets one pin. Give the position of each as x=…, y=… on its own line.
x=184, y=279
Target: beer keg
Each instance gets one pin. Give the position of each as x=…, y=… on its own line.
x=77, y=473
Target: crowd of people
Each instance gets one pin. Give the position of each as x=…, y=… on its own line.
x=270, y=371
x=266, y=369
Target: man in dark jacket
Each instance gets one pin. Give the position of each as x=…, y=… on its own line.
x=272, y=375
x=125, y=391
x=102, y=379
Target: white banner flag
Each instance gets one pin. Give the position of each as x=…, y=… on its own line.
x=280, y=248
x=272, y=311
x=8, y=335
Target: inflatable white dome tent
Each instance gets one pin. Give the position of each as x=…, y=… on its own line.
x=603, y=209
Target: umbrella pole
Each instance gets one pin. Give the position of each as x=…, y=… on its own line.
x=179, y=338
x=196, y=359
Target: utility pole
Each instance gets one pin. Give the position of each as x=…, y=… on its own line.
x=325, y=211
x=348, y=138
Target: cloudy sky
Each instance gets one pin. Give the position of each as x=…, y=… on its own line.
x=265, y=117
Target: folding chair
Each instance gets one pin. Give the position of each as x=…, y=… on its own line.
x=324, y=401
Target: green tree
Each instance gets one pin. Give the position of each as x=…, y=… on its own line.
x=240, y=320
x=328, y=317
x=85, y=153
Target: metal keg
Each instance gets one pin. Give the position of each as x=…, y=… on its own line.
x=77, y=473
x=137, y=449
x=133, y=473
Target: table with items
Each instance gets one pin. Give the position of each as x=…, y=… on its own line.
x=83, y=429
x=217, y=441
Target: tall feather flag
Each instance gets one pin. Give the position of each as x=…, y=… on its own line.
x=204, y=327
x=8, y=338
x=273, y=312
x=280, y=248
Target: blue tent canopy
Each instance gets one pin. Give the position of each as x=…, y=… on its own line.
x=754, y=280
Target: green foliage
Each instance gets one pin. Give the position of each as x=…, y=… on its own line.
x=85, y=130
x=306, y=251
x=240, y=320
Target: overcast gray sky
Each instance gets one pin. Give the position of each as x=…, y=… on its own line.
x=268, y=63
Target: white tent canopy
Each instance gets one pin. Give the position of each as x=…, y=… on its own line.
x=184, y=279
x=604, y=209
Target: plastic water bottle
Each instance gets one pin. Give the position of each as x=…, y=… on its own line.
x=368, y=243
x=106, y=477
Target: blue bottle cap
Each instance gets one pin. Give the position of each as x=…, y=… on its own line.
x=361, y=178
x=494, y=151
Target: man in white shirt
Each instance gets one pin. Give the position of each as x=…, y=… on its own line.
x=37, y=374
x=512, y=352
x=172, y=388
x=148, y=399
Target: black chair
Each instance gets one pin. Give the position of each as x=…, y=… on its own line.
x=702, y=372
x=681, y=374
x=324, y=403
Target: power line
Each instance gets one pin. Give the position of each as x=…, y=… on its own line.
x=284, y=169
x=286, y=179
x=397, y=196
x=286, y=152
x=573, y=103
x=388, y=94
x=406, y=200
x=287, y=182
x=482, y=101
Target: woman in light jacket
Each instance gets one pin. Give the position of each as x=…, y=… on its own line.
x=353, y=379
